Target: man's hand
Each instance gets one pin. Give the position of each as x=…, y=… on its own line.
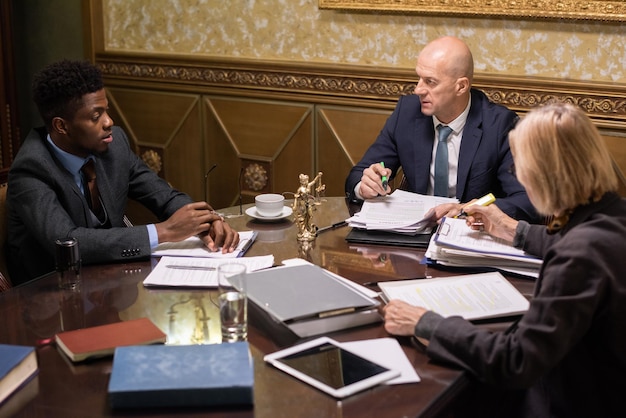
x=200, y=219
x=371, y=182
x=449, y=210
x=401, y=318
x=220, y=234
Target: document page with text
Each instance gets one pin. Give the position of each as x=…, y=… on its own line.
x=472, y=296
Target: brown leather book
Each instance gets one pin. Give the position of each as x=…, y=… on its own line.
x=102, y=340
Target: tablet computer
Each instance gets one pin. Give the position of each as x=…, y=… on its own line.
x=326, y=365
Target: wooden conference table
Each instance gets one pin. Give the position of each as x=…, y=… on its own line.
x=114, y=292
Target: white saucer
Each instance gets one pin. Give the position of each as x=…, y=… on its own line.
x=253, y=213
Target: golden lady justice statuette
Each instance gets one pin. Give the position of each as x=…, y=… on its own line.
x=308, y=195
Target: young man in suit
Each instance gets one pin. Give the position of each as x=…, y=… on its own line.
x=479, y=159
x=49, y=198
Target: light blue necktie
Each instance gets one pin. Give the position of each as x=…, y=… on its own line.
x=441, y=162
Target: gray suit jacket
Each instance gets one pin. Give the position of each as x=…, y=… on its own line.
x=44, y=204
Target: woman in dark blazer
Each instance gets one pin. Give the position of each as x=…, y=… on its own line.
x=566, y=357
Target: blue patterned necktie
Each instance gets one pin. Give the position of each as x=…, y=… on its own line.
x=441, y=162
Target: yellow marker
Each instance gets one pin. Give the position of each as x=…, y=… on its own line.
x=483, y=201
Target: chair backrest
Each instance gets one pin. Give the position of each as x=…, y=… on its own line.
x=5, y=282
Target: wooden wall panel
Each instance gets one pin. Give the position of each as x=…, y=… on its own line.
x=220, y=150
x=259, y=146
x=343, y=136
x=183, y=155
x=150, y=117
x=295, y=158
x=164, y=129
x=615, y=143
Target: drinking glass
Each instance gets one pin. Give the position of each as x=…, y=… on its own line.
x=68, y=263
x=233, y=301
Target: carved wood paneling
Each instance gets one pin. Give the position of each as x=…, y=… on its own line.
x=343, y=136
x=605, y=102
x=165, y=131
x=165, y=128
x=259, y=145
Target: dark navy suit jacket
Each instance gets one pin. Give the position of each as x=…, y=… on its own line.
x=485, y=159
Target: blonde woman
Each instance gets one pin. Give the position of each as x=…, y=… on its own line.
x=567, y=355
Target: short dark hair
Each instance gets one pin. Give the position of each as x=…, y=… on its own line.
x=58, y=89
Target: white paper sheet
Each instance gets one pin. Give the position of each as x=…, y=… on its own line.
x=197, y=272
x=194, y=247
x=386, y=352
x=401, y=211
x=472, y=296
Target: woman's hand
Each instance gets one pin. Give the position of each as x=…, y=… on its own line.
x=491, y=220
x=401, y=318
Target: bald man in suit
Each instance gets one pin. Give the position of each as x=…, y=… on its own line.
x=479, y=157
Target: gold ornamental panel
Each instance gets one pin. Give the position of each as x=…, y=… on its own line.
x=544, y=9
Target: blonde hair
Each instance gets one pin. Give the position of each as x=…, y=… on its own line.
x=561, y=158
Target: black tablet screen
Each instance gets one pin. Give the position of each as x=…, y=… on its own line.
x=332, y=365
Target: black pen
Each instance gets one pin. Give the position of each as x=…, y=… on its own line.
x=333, y=226
x=373, y=284
x=181, y=267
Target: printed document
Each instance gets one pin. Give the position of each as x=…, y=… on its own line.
x=457, y=245
x=455, y=233
x=197, y=271
x=401, y=211
x=472, y=296
x=194, y=247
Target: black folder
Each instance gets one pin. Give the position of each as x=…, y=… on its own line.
x=364, y=236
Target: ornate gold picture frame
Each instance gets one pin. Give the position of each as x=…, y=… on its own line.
x=550, y=9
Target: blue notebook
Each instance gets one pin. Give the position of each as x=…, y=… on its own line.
x=184, y=375
x=18, y=364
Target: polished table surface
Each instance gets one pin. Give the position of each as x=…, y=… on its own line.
x=35, y=312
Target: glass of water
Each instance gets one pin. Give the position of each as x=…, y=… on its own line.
x=233, y=301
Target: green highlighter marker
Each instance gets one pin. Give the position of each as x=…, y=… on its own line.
x=384, y=178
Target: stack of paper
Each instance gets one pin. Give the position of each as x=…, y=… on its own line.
x=401, y=211
x=455, y=244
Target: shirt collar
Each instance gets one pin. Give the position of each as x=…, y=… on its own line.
x=71, y=162
x=457, y=124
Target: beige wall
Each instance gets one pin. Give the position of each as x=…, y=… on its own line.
x=296, y=30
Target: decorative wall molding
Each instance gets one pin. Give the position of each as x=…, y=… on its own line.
x=549, y=9
x=261, y=78
x=604, y=102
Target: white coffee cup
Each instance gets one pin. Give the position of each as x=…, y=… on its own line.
x=269, y=204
